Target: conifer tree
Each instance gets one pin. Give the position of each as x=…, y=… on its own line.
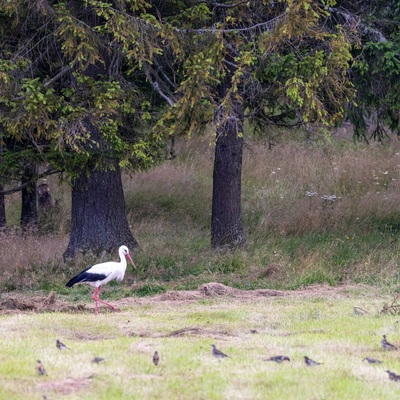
x=79, y=80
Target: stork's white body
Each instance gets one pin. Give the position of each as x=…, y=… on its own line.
x=100, y=274
x=110, y=270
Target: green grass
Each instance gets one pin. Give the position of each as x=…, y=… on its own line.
x=322, y=326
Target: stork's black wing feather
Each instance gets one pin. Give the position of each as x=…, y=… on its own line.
x=86, y=276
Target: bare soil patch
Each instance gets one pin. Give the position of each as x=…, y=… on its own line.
x=65, y=386
x=191, y=331
x=206, y=291
x=16, y=302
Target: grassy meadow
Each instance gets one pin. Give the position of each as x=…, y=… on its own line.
x=322, y=219
x=321, y=325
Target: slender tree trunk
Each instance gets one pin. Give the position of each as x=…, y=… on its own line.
x=98, y=214
x=29, y=209
x=226, y=220
x=3, y=218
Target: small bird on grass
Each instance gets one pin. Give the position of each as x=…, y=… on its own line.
x=61, y=346
x=359, y=311
x=278, y=359
x=39, y=368
x=311, y=363
x=386, y=345
x=98, y=360
x=372, y=360
x=218, y=353
x=156, y=358
x=393, y=376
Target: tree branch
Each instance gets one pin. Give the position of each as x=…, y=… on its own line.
x=47, y=172
x=356, y=21
x=156, y=86
x=63, y=71
x=219, y=5
x=262, y=26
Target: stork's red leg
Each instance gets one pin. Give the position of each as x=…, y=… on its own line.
x=109, y=305
x=95, y=297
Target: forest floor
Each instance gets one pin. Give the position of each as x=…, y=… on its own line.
x=337, y=326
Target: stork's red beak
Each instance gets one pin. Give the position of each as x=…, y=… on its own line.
x=130, y=259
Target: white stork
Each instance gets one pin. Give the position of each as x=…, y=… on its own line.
x=100, y=274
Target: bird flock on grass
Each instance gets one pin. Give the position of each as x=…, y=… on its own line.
x=100, y=274
x=97, y=360
x=219, y=354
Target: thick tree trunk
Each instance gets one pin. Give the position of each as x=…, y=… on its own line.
x=226, y=220
x=98, y=219
x=29, y=209
x=98, y=214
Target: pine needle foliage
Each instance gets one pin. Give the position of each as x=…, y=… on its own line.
x=140, y=71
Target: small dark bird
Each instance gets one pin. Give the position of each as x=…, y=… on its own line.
x=372, y=360
x=39, y=368
x=98, y=360
x=359, y=311
x=156, y=358
x=61, y=346
x=278, y=359
x=311, y=363
x=393, y=376
x=386, y=345
x=218, y=353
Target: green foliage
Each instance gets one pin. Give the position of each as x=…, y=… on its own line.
x=387, y=54
x=199, y=15
x=80, y=82
x=375, y=73
x=67, y=98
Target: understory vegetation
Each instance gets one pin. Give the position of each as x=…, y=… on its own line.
x=322, y=210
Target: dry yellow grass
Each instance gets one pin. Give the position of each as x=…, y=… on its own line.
x=364, y=179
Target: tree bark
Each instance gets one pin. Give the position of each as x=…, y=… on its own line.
x=3, y=218
x=226, y=220
x=98, y=219
x=28, y=195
